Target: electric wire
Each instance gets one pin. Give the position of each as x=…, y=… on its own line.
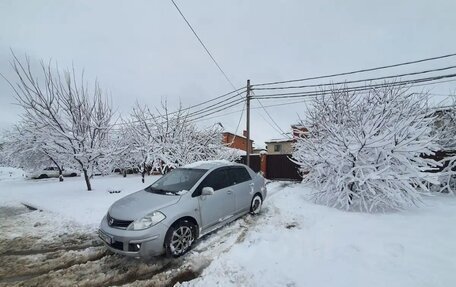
x=355, y=88
x=210, y=54
x=278, y=129
x=202, y=44
x=361, y=80
x=358, y=71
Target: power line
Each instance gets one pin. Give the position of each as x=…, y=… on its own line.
x=359, y=71
x=225, y=105
x=202, y=44
x=355, y=88
x=359, y=81
x=216, y=105
x=210, y=54
x=257, y=108
x=240, y=90
x=267, y=113
x=219, y=110
x=207, y=108
x=301, y=101
x=307, y=95
x=188, y=119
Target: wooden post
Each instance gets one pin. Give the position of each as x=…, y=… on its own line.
x=247, y=159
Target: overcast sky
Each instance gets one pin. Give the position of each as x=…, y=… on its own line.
x=143, y=51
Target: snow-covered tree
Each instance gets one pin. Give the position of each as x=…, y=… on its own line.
x=28, y=147
x=163, y=140
x=74, y=118
x=445, y=126
x=363, y=150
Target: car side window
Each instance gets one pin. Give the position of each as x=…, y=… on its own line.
x=217, y=179
x=239, y=175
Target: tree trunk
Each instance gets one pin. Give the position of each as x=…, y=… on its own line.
x=143, y=173
x=124, y=172
x=87, y=180
x=351, y=185
x=60, y=175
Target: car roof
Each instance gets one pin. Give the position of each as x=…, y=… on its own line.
x=210, y=164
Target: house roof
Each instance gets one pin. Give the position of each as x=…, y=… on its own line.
x=238, y=136
x=279, y=140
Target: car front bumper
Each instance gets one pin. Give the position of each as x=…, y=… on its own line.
x=135, y=243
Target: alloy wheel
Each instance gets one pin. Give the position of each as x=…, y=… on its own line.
x=181, y=240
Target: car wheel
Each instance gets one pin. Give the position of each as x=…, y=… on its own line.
x=179, y=238
x=255, y=206
x=73, y=174
x=43, y=176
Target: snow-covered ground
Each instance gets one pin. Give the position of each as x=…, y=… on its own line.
x=293, y=242
x=298, y=243
x=11, y=173
x=70, y=198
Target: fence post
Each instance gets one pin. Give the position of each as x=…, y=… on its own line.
x=263, y=163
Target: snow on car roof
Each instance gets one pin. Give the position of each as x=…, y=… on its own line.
x=208, y=164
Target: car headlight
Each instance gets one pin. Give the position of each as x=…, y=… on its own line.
x=147, y=221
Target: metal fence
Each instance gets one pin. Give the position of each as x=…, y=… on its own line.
x=278, y=166
x=255, y=162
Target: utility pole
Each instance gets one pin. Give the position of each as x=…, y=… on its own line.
x=247, y=159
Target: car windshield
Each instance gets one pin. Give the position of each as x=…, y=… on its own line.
x=176, y=181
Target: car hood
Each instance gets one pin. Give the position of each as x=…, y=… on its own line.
x=138, y=204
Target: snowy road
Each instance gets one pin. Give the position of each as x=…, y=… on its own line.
x=35, y=251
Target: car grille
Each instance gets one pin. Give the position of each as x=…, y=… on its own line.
x=117, y=223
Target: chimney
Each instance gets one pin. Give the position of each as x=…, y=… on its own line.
x=244, y=133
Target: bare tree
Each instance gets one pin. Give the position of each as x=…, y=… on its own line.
x=363, y=151
x=75, y=118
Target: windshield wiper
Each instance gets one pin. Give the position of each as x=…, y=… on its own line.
x=159, y=190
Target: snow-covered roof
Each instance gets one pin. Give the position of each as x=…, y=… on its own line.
x=279, y=140
x=237, y=151
x=209, y=164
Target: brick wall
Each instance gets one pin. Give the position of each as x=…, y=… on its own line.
x=238, y=142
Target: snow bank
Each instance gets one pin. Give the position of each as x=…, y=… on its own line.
x=70, y=198
x=297, y=243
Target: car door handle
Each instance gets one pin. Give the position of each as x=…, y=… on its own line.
x=229, y=191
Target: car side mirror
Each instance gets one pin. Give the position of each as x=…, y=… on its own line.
x=207, y=191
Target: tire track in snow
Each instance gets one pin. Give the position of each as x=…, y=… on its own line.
x=73, y=265
x=207, y=249
x=15, y=268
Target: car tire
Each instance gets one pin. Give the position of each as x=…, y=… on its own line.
x=179, y=238
x=43, y=176
x=73, y=174
x=255, y=205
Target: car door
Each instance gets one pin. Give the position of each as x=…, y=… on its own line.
x=220, y=206
x=242, y=187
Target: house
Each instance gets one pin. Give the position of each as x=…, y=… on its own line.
x=237, y=141
x=280, y=146
x=285, y=146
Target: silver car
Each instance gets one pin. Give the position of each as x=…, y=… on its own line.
x=169, y=215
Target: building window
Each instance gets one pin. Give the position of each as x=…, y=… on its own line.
x=277, y=148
